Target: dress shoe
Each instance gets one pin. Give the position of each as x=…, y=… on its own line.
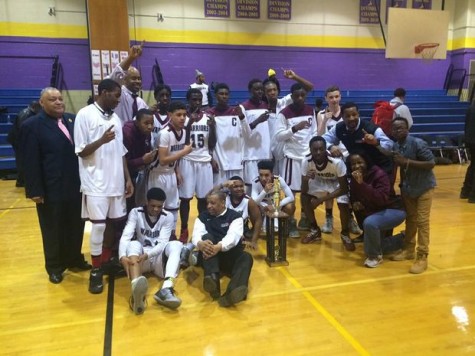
x=212, y=286
x=237, y=295
x=55, y=278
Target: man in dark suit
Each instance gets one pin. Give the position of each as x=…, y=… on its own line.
x=52, y=182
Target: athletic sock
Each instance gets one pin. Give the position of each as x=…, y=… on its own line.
x=96, y=261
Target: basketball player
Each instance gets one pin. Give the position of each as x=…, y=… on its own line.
x=173, y=145
x=296, y=126
x=103, y=171
x=263, y=193
x=162, y=94
x=257, y=144
x=196, y=166
x=326, y=119
x=150, y=228
x=231, y=126
x=275, y=105
x=237, y=200
x=323, y=179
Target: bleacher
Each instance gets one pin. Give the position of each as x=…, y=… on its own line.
x=434, y=112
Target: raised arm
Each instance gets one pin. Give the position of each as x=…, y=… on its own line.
x=290, y=74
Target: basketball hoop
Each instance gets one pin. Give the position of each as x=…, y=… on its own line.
x=426, y=51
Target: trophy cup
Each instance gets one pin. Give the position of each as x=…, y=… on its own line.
x=276, y=198
x=276, y=239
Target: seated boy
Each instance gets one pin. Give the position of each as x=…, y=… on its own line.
x=151, y=250
x=263, y=194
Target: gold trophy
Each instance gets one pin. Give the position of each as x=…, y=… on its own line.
x=276, y=198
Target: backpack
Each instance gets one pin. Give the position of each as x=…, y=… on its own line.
x=384, y=114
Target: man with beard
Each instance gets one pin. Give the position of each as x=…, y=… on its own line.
x=359, y=136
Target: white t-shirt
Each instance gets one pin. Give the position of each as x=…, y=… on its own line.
x=204, y=90
x=102, y=172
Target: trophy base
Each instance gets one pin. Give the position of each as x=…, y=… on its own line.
x=271, y=263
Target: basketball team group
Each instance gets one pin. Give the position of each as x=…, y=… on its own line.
x=132, y=170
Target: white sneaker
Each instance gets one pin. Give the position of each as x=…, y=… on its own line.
x=327, y=228
x=373, y=262
x=139, y=290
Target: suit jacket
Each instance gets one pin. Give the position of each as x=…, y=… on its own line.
x=51, y=165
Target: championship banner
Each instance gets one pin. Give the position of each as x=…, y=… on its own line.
x=279, y=9
x=369, y=11
x=422, y=4
x=248, y=9
x=217, y=8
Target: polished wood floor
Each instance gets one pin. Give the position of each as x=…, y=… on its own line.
x=324, y=303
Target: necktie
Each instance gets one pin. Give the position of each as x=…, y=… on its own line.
x=135, y=107
x=64, y=129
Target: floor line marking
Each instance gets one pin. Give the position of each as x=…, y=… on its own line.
x=9, y=208
x=326, y=314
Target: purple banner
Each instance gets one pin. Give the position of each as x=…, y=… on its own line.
x=248, y=9
x=422, y=4
x=400, y=4
x=217, y=8
x=279, y=9
x=369, y=11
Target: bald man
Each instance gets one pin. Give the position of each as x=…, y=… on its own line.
x=131, y=83
x=218, y=236
x=52, y=182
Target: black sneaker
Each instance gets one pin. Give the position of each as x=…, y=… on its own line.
x=96, y=285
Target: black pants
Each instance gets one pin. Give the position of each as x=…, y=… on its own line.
x=469, y=182
x=62, y=230
x=236, y=262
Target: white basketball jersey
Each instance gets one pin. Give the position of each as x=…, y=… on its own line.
x=296, y=147
x=149, y=234
x=242, y=208
x=257, y=145
x=174, y=142
x=199, y=134
x=326, y=179
x=229, y=140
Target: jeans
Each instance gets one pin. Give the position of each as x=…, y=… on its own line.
x=374, y=227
